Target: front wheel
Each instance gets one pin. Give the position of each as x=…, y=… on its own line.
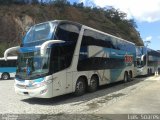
x=5, y=76
x=80, y=87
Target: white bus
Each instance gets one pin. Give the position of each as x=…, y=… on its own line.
x=60, y=57
x=8, y=68
x=148, y=61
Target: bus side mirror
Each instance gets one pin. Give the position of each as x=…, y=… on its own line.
x=44, y=46
x=142, y=57
x=10, y=50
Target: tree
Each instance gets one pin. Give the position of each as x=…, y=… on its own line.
x=74, y=4
x=60, y=2
x=132, y=23
x=115, y=14
x=6, y=2
x=80, y=5
x=35, y=2
x=21, y=1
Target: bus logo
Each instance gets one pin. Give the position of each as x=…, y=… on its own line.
x=128, y=59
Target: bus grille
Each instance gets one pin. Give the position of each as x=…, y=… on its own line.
x=22, y=86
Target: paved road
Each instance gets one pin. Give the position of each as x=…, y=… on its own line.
x=145, y=101
x=138, y=96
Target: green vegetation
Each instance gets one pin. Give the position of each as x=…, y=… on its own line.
x=17, y=15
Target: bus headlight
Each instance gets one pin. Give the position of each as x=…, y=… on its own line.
x=43, y=83
x=43, y=91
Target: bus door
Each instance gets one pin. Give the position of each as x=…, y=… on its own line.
x=58, y=69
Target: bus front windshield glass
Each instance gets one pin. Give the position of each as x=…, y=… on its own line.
x=32, y=65
x=40, y=32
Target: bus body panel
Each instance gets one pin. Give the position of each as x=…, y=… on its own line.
x=8, y=67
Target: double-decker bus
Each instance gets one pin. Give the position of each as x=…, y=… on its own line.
x=148, y=61
x=8, y=68
x=60, y=57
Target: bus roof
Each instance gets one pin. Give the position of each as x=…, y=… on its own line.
x=10, y=58
x=85, y=27
x=61, y=22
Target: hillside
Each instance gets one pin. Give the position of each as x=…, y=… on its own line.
x=15, y=19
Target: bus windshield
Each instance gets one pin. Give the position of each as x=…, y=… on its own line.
x=39, y=32
x=32, y=65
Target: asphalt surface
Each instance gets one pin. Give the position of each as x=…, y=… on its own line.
x=140, y=96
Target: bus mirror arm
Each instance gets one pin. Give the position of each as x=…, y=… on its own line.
x=44, y=46
x=10, y=50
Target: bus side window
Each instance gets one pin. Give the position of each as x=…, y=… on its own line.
x=59, y=59
x=83, y=53
x=68, y=32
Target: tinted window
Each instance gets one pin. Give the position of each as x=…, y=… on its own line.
x=153, y=53
x=68, y=32
x=8, y=63
x=97, y=39
x=38, y=32
x=61, y=56
x=111, y=41
x=98, y=59
x=125, y=46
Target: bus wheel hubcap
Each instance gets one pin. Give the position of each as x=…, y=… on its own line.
x=5, y=77
x=93, y=83
x=80, y=86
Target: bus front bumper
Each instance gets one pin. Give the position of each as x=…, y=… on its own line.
x=40, y=92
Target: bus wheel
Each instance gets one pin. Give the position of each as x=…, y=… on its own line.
x=5, y=76
x=93, y=84
x=125, y=77
x=80, y=87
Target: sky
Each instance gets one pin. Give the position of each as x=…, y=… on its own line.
x=146, y=13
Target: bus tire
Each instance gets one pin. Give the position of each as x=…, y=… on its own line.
x=125, y=79
x=5, y=76
x=93, y=84
x=80, y=88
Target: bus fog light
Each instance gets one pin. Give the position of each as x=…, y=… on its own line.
x=43, y=91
